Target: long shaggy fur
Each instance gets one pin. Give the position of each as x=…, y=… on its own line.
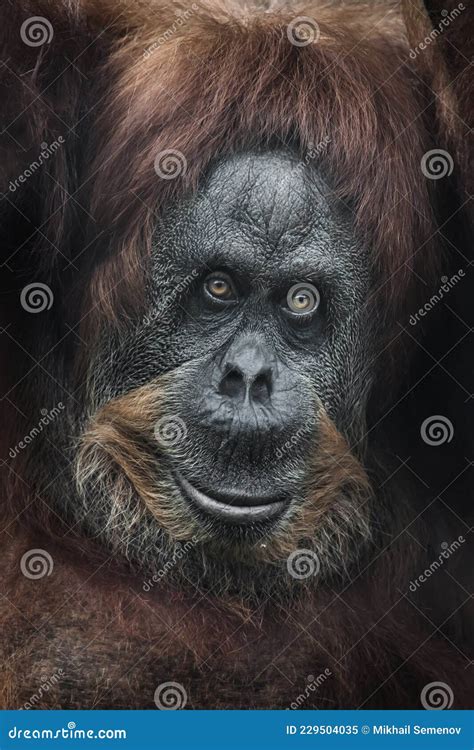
x=121, y=479
x=228, y=77
x=121, y=89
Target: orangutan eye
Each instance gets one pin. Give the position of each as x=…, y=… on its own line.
x=219, y=286
x=303, y=299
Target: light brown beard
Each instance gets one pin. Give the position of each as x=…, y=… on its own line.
x=118, y=456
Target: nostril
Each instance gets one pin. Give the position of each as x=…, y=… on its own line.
x=232, y=384
x=261, y=388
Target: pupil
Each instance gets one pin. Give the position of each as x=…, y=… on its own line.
x=302, y=300
x=219, y=286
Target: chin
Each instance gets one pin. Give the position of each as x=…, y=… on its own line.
x=239, y=538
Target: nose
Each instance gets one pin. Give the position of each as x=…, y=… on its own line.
x=247, y=373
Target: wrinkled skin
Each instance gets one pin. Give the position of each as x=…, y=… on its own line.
x=246, y=379
x=269, y=222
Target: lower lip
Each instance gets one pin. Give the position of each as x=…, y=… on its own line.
x=237, y=514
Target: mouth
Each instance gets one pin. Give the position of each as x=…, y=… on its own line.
x=233, y=507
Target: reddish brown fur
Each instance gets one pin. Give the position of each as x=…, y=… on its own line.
x=114, y=447
x=228, y=79
x=116, y=645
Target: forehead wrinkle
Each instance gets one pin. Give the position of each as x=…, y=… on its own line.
x=264, y=213
x=244, y=242
x=274, y=221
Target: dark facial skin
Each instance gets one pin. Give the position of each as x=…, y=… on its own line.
x=257, y=308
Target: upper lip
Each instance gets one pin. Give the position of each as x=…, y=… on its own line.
x=234, y=507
